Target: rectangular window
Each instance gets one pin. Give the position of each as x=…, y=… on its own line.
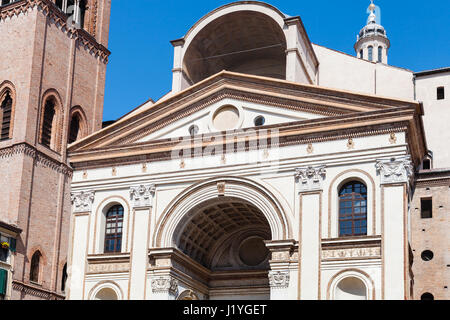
x=426, y=164
x=440, y=93
x=426, y=208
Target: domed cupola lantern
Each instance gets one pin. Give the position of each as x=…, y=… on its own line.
x=372, y=42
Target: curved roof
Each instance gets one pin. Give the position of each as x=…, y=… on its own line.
x=234, y=4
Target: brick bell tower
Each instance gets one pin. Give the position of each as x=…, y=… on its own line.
x=53, y=57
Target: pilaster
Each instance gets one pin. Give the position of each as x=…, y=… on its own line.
x=283, y=272
x=309, y=187
x=79, y=234
x=395, y=175
x=142, y=202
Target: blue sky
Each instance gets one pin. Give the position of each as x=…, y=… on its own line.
x=142, y=57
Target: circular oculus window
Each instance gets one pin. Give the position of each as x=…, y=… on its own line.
x=226, y=118
x=253, y=251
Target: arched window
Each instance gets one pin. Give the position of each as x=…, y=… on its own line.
x=370, y=53
x=380, y=54
x=5, y=116
x=113, y=229
x=48, y=123
x=353, y=209
x=106, y=294
x=427, y=296
x=64, y=278
x=361, y=54
x=351, y=288
x=35, y=265
x=74, y=130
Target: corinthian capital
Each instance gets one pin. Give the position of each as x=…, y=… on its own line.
x=395, y=170
x=82, y=201
x=142, y=196
x=310, y=178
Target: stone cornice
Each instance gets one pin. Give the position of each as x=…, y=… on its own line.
x=40, y=157
x=36, y=291
x=296, y=133
x=11, y=228
x=433, y=178
x=49, y=9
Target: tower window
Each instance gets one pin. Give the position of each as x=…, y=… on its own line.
x=426, y=206
x=5, y=2
x=380, y=54
x=74, y=129
x=361, y=53
x=64, y=278
x=5, y=116
x=440, y=93
x=427, y=255
x=76, y=11
x=34, y=268
x=48, y=123
x=370, y=53
x=427, y=296
x=353, y=209
x=113, y=230
x=426, y=165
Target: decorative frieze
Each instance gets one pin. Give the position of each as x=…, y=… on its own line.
x=351, y=253
x=142, y=196
x=40, y=158
x=108, y=267
x=395, y=170
x=82, y=201
x=310, y=178
x=165, y=284
x=279, y=279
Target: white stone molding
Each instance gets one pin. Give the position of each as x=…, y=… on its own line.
x=279, y=279
x=357, y=253
x=395, y=170
x=310, y=178
x=142, y=196
x=82, y=201
x=165, y=284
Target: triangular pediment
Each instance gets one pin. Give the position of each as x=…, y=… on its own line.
x=228, y=101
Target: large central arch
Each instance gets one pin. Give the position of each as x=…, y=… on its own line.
x=250, y=191
x=222, y=224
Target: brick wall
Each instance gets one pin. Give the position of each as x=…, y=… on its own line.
x=38, y=56
x=431, y=234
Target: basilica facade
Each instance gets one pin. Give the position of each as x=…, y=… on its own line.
x=275, y=168
x=279, y=178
